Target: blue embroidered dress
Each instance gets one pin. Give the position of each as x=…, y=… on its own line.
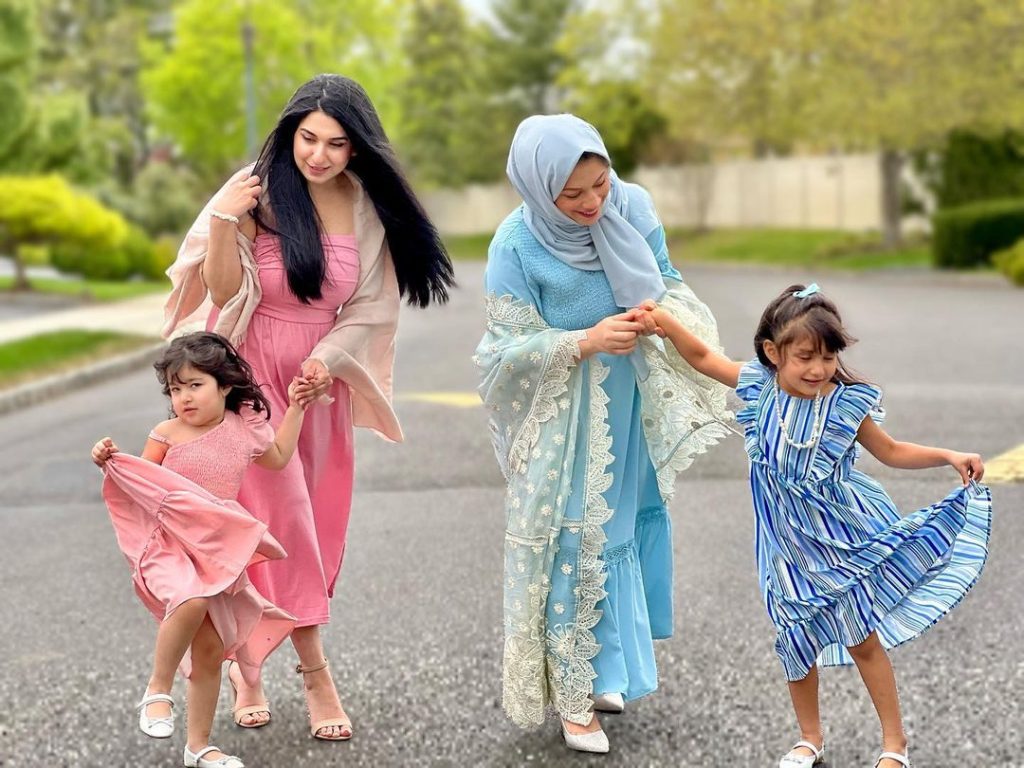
x=606, y=475
x=835, y=560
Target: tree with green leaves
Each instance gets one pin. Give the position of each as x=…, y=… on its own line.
x=194, y=89
x=89, y=65
x=449, y=133
x=728, y=70
x=889, y=75
x=600, y=80
x=45, y=209
x=18, y=57
x=522, y=52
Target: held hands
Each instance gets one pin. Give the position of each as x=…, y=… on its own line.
x=647, y=314
x=102, y=451
x=239, y=197
x=302, y=403
x=969, y=465
x=617, y=334
x=314, y=382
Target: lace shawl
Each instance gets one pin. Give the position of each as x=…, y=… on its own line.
x=532, y=388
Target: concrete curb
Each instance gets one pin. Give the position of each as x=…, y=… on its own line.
x=50, y=387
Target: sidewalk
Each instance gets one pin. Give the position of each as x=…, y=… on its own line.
x=143, y=315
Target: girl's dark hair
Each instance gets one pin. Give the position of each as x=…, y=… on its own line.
x=213, y=354
x=422, y=266
x=790, y=318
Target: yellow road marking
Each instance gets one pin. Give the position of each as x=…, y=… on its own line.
x=452, y=399
x=1006, y=468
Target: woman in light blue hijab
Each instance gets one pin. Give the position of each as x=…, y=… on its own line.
x=591, y=421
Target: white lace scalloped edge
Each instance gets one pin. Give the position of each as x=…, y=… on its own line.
x=573, y=691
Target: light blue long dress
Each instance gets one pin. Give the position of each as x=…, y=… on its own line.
x=638, y=553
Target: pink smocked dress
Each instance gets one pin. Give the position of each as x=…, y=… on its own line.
x=306, y=505
x=185, y=536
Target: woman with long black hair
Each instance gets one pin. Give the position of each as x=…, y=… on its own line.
x=302, y=261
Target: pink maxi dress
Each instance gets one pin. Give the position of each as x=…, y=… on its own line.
x=185, y=536
x=306, y=505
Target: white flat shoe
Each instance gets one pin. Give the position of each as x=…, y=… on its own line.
x=596, y=742
x=195, y=760
x=803, y=761
x=612, y=703
x=903, y=759
x=156, y=727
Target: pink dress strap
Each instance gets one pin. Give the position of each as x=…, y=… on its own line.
x=159, y=438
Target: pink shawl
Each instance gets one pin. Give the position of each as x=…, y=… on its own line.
x=359, y=349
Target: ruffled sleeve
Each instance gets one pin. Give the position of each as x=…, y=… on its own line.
x=753, y=377
x=258, y=431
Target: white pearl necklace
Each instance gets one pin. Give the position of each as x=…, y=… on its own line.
x=816, y=427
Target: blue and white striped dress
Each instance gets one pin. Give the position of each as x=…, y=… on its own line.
x=835, y=560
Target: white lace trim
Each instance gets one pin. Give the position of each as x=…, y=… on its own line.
x=561, y=358
x=573, y=651
x=684, y=413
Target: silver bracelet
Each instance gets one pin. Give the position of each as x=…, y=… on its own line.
x=224, y=216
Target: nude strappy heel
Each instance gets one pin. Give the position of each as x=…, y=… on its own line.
x=316, y=727
x=239, y=712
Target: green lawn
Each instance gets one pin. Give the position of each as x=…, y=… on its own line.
x=59, y=351
x=783, y=247
x=97, y=290
x=468, y=247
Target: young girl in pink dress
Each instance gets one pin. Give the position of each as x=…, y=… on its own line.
x=189, y=542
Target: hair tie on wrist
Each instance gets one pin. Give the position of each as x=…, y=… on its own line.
x=224, y=216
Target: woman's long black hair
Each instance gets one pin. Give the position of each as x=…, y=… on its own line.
x=422, y=266
x=213, y=354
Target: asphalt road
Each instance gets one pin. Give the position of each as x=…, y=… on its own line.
x=415, y=642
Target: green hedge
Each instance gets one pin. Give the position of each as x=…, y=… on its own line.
x=1011, y=262
x=968, y=235
x=136, y=256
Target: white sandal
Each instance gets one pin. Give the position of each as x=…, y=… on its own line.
x=803, y=761
x=156, y=727
x=196, y=760
x=903, y=759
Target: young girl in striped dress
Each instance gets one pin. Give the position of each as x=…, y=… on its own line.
x=844, y=577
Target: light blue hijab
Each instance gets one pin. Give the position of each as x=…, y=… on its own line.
x=544, y=153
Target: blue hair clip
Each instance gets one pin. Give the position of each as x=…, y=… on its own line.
x=808, y=291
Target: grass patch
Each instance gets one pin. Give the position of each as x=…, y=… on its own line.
x=59, y=351
x=96, y=290
x=781, y=247
x=468, y=247
x=793, y=248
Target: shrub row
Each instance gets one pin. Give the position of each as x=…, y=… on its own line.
x=968, y=235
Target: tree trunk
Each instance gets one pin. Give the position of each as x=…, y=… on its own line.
x=20, y=275
x=892, y=202
x=9, y=248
